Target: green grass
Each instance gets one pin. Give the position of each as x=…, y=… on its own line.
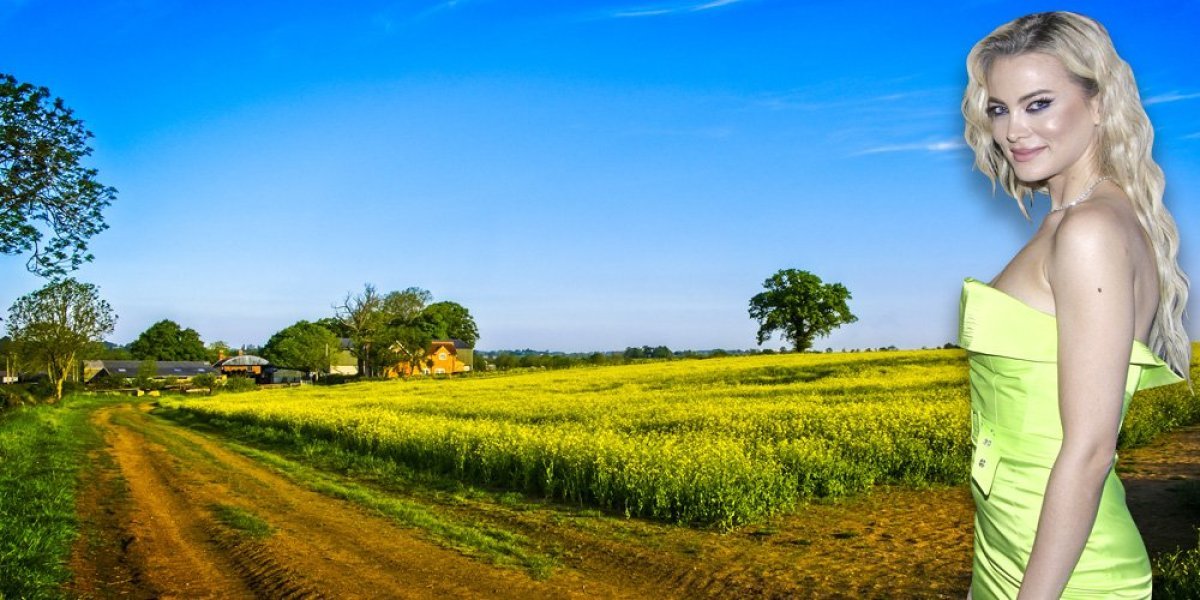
x=42, y=450
x=242, y=521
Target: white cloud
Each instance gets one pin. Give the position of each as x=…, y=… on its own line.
x=1169, y=97
x=808, y=100
x=655, y=11
x=941, y=146
x=1192, y=136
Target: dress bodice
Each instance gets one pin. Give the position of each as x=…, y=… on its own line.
x=1012, y=354
x=993, y=323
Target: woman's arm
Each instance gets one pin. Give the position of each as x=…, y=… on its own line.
x=1091, y=274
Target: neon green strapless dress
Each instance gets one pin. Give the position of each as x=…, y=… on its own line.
x=1016, y=431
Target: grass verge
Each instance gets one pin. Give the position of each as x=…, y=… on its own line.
x=241, y=520
x=42, y=450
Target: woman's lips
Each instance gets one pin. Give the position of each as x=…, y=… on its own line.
x=1025, y=155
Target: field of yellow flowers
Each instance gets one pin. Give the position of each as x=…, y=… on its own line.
x=721, y=441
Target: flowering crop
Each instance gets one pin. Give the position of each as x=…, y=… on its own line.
x=718, y=441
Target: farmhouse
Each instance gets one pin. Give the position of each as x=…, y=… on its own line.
x=128, y=369
x=445, y=357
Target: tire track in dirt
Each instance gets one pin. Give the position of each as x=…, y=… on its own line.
x=320, y=547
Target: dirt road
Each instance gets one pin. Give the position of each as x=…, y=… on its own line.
x=151, y=531
x=155, y=524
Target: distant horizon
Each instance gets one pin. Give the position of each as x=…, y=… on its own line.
x=766, y=347
x=585, y=175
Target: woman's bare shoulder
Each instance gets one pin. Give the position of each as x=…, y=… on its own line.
x=1102, y=224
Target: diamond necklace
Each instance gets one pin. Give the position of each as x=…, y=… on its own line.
x=1084, y=196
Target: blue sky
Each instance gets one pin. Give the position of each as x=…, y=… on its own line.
x=581, y=176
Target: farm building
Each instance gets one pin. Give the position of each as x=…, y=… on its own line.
x=344, y=362
x=128, y=369
x=242, y=365
x=445, y=357
x=257, y=368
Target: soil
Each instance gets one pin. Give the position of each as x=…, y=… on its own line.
x=149, y=531
x=1162, y=488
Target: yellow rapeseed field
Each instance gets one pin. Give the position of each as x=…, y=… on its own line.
x=720, y=441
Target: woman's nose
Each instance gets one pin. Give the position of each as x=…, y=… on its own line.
x=1016, y=130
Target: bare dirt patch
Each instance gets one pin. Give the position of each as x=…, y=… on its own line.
x=1161, y=481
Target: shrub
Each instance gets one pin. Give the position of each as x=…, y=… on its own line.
x=335, y=379
x=13, y=396
x=110, y=383
x=236, y=385
x=1178, y=575
x=211, y=381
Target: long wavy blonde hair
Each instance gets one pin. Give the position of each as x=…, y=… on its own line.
x=1123, y=152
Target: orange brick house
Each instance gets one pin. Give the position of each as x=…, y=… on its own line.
x=445, y=357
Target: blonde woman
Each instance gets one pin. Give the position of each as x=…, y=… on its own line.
x=1087, y=313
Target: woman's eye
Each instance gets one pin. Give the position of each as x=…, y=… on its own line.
x=996, y=111
x=1039, y=104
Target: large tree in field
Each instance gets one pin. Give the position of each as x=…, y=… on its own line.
x=50, y=204
x=52, y=325
x=800, y=306
x=306, y=346
x=166, y=340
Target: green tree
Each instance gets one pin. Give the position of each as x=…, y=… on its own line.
x=451, y=320
x=405, y=306
x=800, y=306
x=147, y=373
x=506, y=360
x=44, y=188
x=336, y=326
x=479, y=362
x=303, y=345
x=407, y=342
x=166, y=340
x=217, y=350
x=362, y=317
x=52, y=325
x=105, y=351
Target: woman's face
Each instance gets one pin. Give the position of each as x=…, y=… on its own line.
x=1041, y=118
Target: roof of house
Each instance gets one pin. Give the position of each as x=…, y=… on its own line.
x=244, y=360
x=162, y=368
x=457, y=343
